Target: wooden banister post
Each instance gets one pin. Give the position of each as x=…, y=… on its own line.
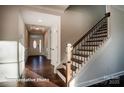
x=68, y=64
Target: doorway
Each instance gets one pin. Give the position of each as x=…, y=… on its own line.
x=36, y=45
x=41, y=38
x=39, y=41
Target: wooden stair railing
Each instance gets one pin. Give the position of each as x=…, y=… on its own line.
x=85, y=47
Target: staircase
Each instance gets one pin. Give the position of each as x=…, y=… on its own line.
x=84, y=49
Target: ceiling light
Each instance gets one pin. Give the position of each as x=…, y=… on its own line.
x=37, y=28
x=40, y=20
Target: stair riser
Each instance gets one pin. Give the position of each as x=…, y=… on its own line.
x=104, y=26
x=89, y=47
x=102, y=29
x=101, y=32
x=84, y=48
x=83, y=53
x=61, y=76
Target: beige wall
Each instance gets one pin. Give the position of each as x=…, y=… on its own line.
x=8, y=23
x=76, y=21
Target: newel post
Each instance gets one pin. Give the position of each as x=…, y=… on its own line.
x=68, y=64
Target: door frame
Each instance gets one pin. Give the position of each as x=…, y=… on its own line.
x=39, y=36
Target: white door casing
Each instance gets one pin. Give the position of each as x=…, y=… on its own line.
x=54, y=48
x=55, y=45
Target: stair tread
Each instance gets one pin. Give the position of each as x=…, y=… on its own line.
x=77, y=60
x=105, y=24
x=104, y=31
x=98, y=36
x=101, y=29
x=82, y=55
x=95, y=34
x=91, y=45
x=62, y=71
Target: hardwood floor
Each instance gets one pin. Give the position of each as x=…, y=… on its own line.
x=39, y=67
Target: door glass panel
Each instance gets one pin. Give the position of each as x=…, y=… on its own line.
x=34, y=44
x=40, y=46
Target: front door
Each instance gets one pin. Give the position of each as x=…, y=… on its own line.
x=36, y=45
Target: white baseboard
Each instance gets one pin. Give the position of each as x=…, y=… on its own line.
x=101, y=79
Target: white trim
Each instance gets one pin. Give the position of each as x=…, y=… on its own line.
x=12, y=62
x=98, y=80
x=108, y=9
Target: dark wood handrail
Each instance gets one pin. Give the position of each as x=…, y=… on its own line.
x=76, y=43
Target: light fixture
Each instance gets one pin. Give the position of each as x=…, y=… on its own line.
x=40, y=20
x=37, y=28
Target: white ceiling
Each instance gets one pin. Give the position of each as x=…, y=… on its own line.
x=35, y=18
x=56, y=7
